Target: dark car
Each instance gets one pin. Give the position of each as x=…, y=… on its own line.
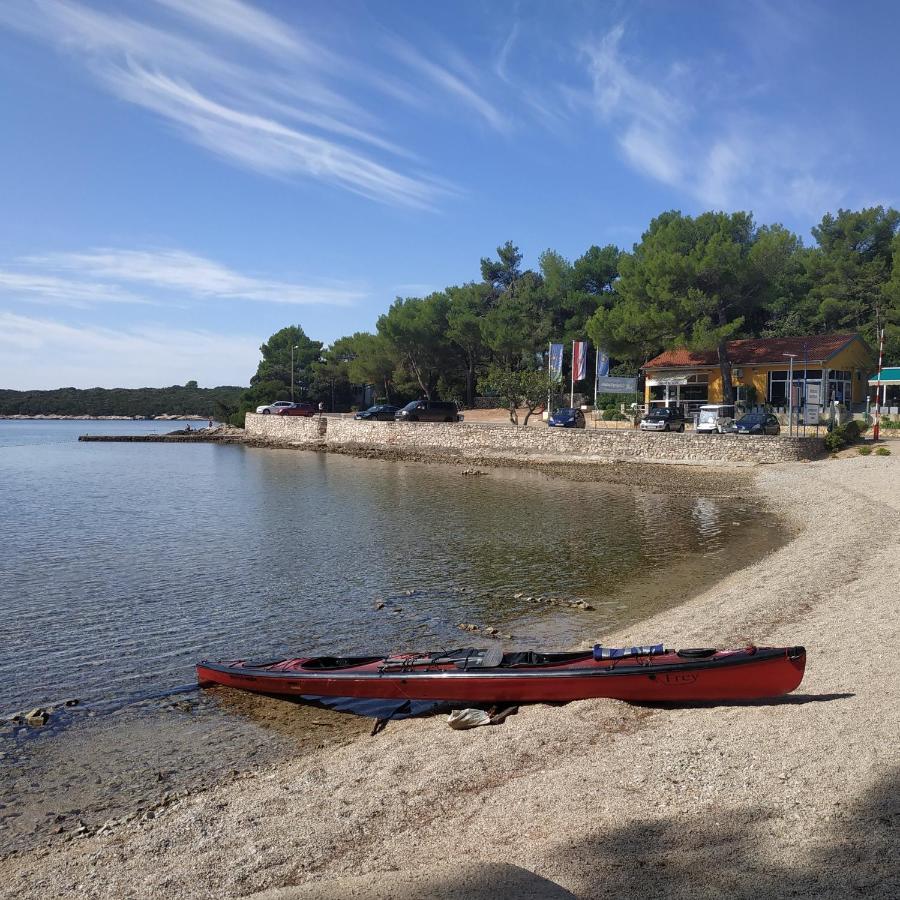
x=428, y=411
x=757, y=423
x=382, y=413
x=296, y=409
x=567, y=417
x=663, y=419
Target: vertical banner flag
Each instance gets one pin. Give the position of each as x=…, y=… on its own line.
x=579, y=360
x=556, y=359
x=602, y=363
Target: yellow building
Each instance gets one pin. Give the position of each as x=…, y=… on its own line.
x=826, y=367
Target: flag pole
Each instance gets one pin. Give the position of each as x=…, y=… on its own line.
x=596, y=375
x=549, y=375
x=877, y=429
x=572, y=392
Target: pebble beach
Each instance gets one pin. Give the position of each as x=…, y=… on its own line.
x=791, y=797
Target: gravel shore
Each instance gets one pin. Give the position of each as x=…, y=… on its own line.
x=787, y=798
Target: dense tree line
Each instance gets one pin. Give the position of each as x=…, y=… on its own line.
x=188, y=399
x=690, y=281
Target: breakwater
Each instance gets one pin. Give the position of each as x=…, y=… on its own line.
x=465, y=441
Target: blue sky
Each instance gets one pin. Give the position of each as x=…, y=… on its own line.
x=179, y=179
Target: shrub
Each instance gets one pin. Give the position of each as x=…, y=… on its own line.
x=863, y=451
x=852, y=430
x=835, y=440
x=842, y=436
x=882, y=451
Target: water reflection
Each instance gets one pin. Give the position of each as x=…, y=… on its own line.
x=128, y=562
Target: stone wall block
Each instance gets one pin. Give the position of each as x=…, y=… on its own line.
x=500, y=441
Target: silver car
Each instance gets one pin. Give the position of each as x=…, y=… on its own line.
x=274, y=407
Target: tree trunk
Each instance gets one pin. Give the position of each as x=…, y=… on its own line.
x=725, y=368
x=470, y=383
x=425, y=389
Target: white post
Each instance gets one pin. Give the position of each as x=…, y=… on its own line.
x=790, y=397
x=292, y=373
x=549, y=376
x=876, y=431
x=572, y=392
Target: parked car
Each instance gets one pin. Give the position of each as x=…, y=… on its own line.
x=428, y=411
x=662, y=418
x=715, y=418
x=273, y=407
x=383, y=413
x=757, y=423
x=567, y=417
x=297, y=409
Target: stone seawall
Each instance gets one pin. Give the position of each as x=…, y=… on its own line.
x=470, y=441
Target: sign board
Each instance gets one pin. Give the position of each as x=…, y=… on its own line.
x=813, y=393
x=614, y=385
x=671, y=380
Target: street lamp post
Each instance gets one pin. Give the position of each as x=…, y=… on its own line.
x=293, y=348
x=790, y=392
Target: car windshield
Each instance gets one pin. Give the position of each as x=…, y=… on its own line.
x=565, y=411
x=708, y=415
x=659, y=414
x=752, y=420
x=411, y=406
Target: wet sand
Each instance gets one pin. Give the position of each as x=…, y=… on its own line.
x=778, y=799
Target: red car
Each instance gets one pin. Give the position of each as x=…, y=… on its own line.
x=297, y=409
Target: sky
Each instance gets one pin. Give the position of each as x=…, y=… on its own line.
x=179, y=179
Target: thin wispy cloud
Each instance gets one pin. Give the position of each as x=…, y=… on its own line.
x=460, y=85
x=242, y=22
x=54, y=291
x=161, y=277
x=40, y=353
x=668, y=128
x=262, y=143
x=280, y=112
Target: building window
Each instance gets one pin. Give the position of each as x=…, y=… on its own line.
x=778, y=384
x=840, y=386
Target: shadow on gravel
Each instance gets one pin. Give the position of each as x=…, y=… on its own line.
x=786, y=700
x=740, y=853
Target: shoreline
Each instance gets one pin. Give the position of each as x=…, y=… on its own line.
x=774, y=798
x=278, y=731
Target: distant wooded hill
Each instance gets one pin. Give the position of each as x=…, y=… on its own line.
x=179, y=399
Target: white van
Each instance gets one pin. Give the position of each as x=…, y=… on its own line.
x=715, y=418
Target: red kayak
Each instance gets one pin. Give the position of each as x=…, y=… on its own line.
x=638, y=674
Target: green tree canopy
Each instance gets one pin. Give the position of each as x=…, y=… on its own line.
x=690, y=281
x=415, y=330
x=852, y=271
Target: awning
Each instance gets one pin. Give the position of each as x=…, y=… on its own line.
x=888, y=376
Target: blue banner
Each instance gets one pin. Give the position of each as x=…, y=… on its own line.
x=602, y=363
x=556, y=361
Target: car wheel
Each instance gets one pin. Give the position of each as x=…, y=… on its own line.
x=666, y=427
x=682, y=428
x=266, y=412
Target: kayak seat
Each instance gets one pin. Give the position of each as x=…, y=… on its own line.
x=339, y=662
x=697, y=652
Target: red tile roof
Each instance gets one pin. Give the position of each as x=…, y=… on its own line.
x=815, y=348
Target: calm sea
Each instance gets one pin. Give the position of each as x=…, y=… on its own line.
x=123, y=564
